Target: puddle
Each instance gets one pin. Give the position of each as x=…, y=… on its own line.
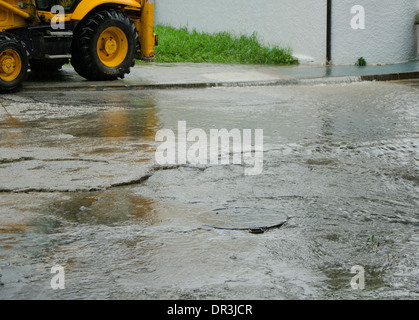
x=340, y=161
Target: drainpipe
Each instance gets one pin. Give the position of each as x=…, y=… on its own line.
x=329, y=33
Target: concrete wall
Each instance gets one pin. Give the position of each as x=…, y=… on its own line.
x=389, y=35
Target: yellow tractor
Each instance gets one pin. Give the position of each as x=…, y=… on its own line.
x=101, y=38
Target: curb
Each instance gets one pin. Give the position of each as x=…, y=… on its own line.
x=392, y=76
x=205, y=85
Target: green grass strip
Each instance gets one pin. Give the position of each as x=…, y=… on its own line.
x=180, y=45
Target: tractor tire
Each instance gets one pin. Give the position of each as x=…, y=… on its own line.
x=104, y=45
x=13, y=63
x=48, y=66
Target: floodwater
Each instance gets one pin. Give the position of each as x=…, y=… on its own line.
x=80, y=188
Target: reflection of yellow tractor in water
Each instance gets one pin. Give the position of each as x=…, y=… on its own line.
x=102, y=38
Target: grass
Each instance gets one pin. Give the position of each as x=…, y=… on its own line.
x=180, y=45
x=361, y=62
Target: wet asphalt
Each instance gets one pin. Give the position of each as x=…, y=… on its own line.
x=80, y=187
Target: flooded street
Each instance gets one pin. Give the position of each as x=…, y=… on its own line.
x=80, y=188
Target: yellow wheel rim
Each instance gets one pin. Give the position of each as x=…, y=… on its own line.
x=112, y=47
x=10, y=65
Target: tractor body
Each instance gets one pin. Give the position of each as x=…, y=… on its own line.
x=101, y=38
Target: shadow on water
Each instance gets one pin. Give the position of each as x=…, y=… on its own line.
x=49, y=231
x=103, y=208
x=10, y=137
x=54, y=75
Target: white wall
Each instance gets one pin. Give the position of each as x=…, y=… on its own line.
x=389, y=35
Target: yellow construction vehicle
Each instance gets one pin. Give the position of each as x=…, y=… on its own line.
x=101, y=38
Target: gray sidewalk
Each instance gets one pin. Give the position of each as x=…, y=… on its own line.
x=162, y=76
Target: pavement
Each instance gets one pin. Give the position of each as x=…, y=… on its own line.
x=189, y=75
x=81, y=189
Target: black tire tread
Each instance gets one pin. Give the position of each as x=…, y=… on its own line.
x=11, y=38
x=82, y=59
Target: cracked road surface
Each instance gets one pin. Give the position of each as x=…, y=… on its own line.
x=80, y=188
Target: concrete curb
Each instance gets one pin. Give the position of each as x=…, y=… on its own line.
x=109, y=86
x=392, y=76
